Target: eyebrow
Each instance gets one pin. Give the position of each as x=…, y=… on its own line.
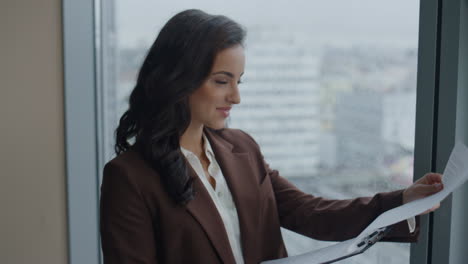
x=225, y=73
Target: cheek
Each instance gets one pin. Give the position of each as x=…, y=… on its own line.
x=207, y=97
x=201, y=104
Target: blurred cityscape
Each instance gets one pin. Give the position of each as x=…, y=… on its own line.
x=337, y=121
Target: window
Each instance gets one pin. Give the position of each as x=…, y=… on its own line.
x=329, y=91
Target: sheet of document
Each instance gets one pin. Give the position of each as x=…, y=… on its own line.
x=455, y=174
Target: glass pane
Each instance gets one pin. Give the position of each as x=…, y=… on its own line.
x=329, y=91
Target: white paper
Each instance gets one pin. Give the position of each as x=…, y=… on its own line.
x=455, y=174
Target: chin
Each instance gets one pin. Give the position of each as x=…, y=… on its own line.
x=217, y=125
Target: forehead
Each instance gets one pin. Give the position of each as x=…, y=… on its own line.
x=231, y=59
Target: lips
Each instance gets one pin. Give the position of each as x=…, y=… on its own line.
x=224, y=108
x=224, y=111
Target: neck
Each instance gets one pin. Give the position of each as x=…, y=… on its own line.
x=192, y=139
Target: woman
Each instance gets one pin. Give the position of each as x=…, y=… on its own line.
x=191, y=191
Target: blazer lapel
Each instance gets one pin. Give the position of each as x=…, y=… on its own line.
x=238, y=172
x=203, y=209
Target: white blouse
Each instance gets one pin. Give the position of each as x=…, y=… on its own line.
x=221, y=196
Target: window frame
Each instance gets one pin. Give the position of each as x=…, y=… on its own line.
x=450, y=102
x=81, y=131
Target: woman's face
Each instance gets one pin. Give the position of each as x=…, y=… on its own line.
x=210, y=104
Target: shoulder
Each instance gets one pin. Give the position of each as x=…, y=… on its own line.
x=128, y=181
x=126, y=161
x=130, y=167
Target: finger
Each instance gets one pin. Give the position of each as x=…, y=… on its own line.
x=435, y=207
x=425, y=212
x=432, y=178
x=427, y=189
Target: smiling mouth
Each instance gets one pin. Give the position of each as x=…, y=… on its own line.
x=224, y=111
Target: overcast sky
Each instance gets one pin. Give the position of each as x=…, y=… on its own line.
x=350, y=20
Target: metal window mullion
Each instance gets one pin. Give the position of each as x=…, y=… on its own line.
x=447, y=121
x=80, y=130
x=425, y=132
x=459, y=215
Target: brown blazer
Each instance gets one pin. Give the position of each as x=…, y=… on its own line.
x=141, y=224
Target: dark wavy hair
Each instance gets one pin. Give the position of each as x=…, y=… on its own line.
x=177, y=63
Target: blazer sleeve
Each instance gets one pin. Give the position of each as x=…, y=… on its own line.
x=332, y=220
x=125, y=222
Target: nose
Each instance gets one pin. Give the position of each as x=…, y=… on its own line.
x=234, y=95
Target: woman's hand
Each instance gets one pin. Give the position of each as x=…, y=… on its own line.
x=427, y=185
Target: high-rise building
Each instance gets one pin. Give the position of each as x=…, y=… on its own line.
x=280, y=100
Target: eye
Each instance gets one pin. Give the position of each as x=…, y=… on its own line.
x=221, y=82
x=239, y=82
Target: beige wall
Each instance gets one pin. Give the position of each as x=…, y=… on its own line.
x=32, y=175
